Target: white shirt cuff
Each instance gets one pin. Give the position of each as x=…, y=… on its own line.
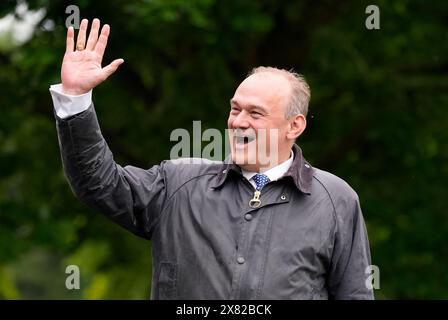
x=67, y=105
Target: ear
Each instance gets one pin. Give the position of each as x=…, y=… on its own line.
x=296, y=126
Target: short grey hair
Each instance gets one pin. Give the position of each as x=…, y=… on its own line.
x=300, y=90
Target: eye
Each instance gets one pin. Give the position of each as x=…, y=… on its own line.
x=256, y=114
x=234, y=110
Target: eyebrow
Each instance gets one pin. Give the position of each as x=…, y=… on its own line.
x=251, y=106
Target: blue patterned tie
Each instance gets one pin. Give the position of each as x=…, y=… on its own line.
x=260, y=180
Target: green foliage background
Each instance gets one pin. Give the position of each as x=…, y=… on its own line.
x=378, y=118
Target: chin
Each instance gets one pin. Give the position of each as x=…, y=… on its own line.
x=246, y=161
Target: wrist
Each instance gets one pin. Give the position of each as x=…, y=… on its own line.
x=73, y=91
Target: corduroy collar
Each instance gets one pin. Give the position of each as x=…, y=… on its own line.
x=301, y=172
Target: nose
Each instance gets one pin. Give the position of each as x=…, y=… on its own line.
x=241, y=121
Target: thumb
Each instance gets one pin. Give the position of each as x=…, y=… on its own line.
x=112, y=67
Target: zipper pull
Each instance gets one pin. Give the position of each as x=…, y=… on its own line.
x=255, y=202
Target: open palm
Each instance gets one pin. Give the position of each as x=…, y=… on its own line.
x=81, y=68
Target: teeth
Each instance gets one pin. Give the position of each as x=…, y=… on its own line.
x=244, y=139
x=240, y=139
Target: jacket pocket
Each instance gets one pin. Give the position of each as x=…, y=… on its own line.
x=167, y=281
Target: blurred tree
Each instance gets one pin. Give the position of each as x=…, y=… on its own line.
x=377, y=119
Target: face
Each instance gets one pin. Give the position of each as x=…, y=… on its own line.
x=260, y=135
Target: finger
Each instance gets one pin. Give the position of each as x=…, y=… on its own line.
x=81, y=41
x=93, y=36
x=102, y=41
x=70, y=40
x=111, y=68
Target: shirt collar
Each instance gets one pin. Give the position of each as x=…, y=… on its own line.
x=300, y=171
x=273, y=173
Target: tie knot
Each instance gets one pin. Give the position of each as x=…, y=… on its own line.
x=260, y=180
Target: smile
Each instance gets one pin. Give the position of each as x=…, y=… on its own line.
x=242, y=140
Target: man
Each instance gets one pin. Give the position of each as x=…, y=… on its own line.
x=238, y=229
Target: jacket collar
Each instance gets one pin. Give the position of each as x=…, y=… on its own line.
x=301, y=172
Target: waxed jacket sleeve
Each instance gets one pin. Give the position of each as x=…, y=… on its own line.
x=130, y=196
x=351, y=254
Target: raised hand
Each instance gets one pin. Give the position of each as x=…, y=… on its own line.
x=81, y=69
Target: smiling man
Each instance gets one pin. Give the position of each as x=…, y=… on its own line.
x=271, y=105
x=263, y=224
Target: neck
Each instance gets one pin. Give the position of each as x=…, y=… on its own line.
x=283, y=156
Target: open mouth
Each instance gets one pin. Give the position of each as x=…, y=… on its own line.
x=242, y=140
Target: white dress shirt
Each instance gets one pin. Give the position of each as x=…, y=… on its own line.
x=67, y=105
x=273, y=173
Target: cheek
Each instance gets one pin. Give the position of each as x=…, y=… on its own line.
x=282, y=130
